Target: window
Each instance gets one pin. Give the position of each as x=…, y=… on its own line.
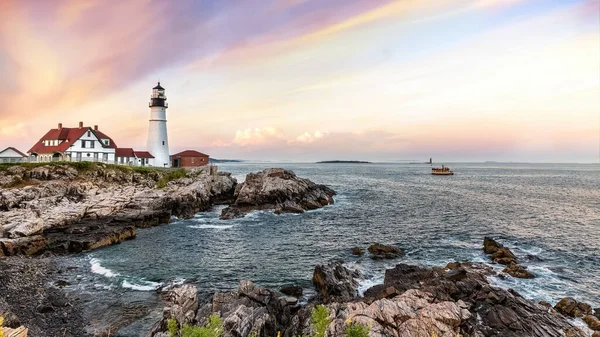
x=163, y=142
x=83, y=144
x=106, y=141
x=92, y=144
x=88, y=154
x=201, y=159
x=193, y=160
x=89, y=133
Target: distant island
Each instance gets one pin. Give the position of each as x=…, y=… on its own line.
x=343, y=162
x=215, y=161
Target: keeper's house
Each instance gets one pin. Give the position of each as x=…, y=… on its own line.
x=82, y=143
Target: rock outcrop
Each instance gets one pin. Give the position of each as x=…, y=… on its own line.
x=379, y=251
x=278, y=190
x=412, y=302
x=503, y=255
x=70, y=208
x=334, y=282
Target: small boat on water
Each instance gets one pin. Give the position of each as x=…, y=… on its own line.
x=443, y=171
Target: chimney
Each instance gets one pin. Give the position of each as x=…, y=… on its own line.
x=80, y=125
x=60, y=126
x=95, y=127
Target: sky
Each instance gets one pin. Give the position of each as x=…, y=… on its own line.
x=305, y=80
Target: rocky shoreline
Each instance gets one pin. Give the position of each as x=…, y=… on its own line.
x=448, y=301
x=74, y=207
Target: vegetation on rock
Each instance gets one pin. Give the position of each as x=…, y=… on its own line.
x=213, y=328
x=173, y=327
x=356, y=330
x=319, y=320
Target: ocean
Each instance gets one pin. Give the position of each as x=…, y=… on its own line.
x=548, y=214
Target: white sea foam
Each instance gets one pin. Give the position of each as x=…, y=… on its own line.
x=98, y=269
x=367, y=283
x=147, y=286
x=211, y=226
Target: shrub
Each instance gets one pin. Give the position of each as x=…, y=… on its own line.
x=356, y=330
x=213, y=328
x=173, y=327
x=178, y=174
x=319, y=320
x=1, y=322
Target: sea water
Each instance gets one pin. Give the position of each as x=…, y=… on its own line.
x=548, y=214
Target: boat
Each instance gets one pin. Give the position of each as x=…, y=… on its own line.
x=441, y=171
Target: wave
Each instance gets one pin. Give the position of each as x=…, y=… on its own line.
x=211, y=226
x=98, y=269
x=148, y=286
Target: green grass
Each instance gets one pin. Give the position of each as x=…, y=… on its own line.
x=173, y=175
x=213, y=328
x=173, y=327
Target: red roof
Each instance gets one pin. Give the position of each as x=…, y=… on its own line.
x=102, y=135
x=124, y=152
x=17, y=151
x=143, y=154
x=68, y=136
x=190, y=153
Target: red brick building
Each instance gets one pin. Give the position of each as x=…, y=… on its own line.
x=189, y=158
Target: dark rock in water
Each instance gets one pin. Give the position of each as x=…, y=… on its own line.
x=531, y=257
x=380, y=251
x=500, y=254
x=490, y=246
x=62, y=283
x=278, y=190
x=568, y=306
x=504, y=256
x=292, y=290
x=334, y=282
x=357, y=251
x=597, y=312
x=518, y=271
x=592, y=321
x=546, y=304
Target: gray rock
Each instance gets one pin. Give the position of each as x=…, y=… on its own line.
x=278, y=190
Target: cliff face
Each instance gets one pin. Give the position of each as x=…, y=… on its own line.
x=74, y=207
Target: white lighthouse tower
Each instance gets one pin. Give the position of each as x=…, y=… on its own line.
x=158, y=141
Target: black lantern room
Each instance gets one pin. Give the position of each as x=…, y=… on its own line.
x=158, y=97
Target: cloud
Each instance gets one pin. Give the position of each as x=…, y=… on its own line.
x=258, y=136
x=310, y=137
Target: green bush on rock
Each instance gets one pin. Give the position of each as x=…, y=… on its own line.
x=213, y=328
x=319, y=320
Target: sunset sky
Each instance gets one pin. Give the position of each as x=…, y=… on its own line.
x=303, y=80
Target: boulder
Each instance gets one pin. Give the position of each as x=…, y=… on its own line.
x=292, y=290
x=592, y=321
x=334, y=282
x=379, y=251
x=490, y=246
x=568, y=306
x=500, y=254
x=183, y=304
x=357, y=251
x=278, y=190
x=518, y=271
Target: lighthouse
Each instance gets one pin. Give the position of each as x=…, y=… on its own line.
x=158, y=141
